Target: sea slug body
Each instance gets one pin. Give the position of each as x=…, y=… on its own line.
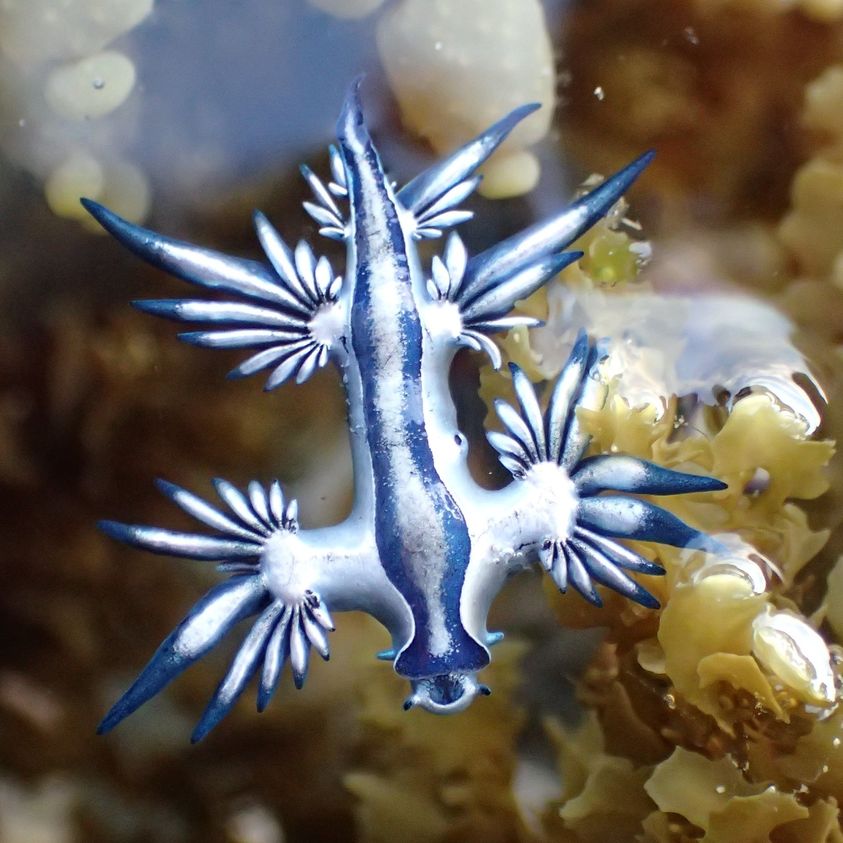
x=424, y=549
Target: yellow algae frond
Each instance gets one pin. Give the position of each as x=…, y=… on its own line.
x=817, y=760
x=741, y=672
x=811, y=230
x=727, y=665
x=758, y=435
x=700, y=622
x=820, y=826
x=603, y=797
x=714, y=796
x=424, y=776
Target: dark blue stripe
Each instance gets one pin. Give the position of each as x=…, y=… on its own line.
x=395, y=549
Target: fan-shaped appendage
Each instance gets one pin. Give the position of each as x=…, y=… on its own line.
x=586, y=551
x=284, y=630
x=289, y=310
x=325, y=211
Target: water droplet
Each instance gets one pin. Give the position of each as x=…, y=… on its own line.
x=98, y=83
x=742, y=569
x=758, y=483
x=438, y=45
x=721, y=789
x=835, y=743
x=600, y=93
x=793, y=651
x=691, y=36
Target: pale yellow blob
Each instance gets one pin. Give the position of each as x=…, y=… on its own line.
x=824, y=11
x=59, y=78
x=456, y=68
x=511, y=175
x=118, y=184
x=824, y=101
x=347, y=8
x=92, y=87
x=126, y=192
x=34, y=31
x=813, y=230
x=79, y=175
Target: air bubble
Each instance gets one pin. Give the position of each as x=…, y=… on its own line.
x=794, y=652
x=78, y=91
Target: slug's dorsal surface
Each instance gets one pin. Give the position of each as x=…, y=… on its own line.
x=420, y=532
x=424, y=549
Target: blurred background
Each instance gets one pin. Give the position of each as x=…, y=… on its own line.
x=186, y=116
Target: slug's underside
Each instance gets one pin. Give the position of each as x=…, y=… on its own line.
x=424, y=549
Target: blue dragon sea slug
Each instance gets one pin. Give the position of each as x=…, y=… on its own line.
x=424, y=549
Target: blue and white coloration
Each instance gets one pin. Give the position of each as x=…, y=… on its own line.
x=425, y=549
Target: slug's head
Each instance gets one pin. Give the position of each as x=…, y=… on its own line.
x=446, y=693
x=358, y=152
x=369, y=191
